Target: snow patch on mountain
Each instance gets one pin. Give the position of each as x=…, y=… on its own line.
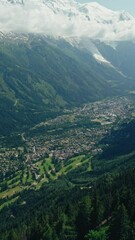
x=88, y=46
x=100, y=58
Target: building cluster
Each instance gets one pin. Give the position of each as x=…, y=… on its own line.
x=76, y=131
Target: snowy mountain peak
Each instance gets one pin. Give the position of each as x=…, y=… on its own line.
x=96, y=6
x=12, y=1
x=66, y=18
x=125, y=16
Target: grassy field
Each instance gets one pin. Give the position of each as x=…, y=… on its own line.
x=38, y=174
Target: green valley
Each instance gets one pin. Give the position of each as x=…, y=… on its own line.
x=49, y=77
x=67, y=148
x=61, y=165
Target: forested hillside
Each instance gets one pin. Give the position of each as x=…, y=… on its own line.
x=39, y=77
x=104, y=210
x=82, y=204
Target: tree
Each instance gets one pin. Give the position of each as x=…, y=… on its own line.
x=120, y=227
x=83, y=218
x=13, y=235
x=60, y=226
x=97, y=235
x=48, y=234
x=97, y=211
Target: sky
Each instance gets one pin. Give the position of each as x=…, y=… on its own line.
x=128, y=5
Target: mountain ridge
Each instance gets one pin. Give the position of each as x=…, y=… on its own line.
x=66, y=18
x=50, y=75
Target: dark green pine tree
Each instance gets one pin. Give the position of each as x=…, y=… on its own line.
x=48, y=233
x=13, y=235
x=97, y=211
x=120, y=227
x=60, y=226
x=83, y=218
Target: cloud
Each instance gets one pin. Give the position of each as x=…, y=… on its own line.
x=37, y=17
x=31, y=17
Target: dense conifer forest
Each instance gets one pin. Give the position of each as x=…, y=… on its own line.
x=105, y=211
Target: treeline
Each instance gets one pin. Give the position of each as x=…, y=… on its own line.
x=59, y=211
x=120, y=141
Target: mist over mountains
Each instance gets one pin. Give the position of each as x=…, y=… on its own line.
x=66, y=18
x=57, y=54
